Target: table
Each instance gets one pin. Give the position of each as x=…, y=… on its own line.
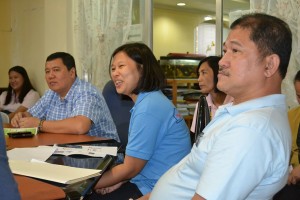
x=30, y=188
x=49, y=139
x=34, y=189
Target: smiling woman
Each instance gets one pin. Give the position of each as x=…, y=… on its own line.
x=20, y=94
x=157, y=137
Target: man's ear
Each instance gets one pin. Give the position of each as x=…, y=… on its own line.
x=272, y=65
x=73, y=71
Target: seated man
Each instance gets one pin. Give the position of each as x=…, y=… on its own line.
x=244, y=151
x=70, y=106
x=8, y=186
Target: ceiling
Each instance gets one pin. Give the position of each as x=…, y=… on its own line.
x=203, y=5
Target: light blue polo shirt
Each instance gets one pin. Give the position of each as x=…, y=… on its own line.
x=243, y=154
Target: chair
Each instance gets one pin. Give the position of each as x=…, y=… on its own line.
x=119, y=106
x=5, y=118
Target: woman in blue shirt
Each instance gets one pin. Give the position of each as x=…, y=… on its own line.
x=158, y=136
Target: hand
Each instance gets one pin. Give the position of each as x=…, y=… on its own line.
x=145, y=197
x=294, y=176
x=16, y=120
x=110, y=189
x=28, y=122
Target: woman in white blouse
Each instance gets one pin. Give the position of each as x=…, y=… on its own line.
x=20, y=94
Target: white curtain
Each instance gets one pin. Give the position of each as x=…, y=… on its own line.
x=98, y=29
x=289, y=11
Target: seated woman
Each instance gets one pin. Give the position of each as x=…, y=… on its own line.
x=158, y=136
x=292, y=190
x=207, y=71
x=20, y=94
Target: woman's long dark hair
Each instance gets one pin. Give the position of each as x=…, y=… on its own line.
x=26, y=87
x=213, y=63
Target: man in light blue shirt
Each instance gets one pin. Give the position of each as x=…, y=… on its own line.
x=70, y=106
x=244, y=151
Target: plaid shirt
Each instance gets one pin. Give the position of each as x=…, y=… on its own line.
x=82, y=99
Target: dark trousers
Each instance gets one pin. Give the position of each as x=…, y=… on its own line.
x=289, y=192
x=125, y=192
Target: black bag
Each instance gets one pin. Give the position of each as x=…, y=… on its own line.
x=203, y=117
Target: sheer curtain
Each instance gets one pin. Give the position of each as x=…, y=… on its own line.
x=98, y=29
x=288, y=10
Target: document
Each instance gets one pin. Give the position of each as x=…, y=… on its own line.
x=41, y=153
x=52, y=172
x=93, y=151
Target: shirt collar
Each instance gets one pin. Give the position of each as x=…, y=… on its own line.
x=275, y=100
x=70, y=93
x=140, y=98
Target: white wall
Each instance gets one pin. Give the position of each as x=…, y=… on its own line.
x=28, y=38
x=40, y=27
x=173, y=31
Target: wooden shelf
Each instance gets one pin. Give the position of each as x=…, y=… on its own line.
x=174, y=83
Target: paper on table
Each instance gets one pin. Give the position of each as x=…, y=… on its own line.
x=94, y=151
x=56, y=173
x=41, y=153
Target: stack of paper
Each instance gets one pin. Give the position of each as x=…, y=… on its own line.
x=30, y=162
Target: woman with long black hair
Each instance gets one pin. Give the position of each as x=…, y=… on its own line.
x=20, y=94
